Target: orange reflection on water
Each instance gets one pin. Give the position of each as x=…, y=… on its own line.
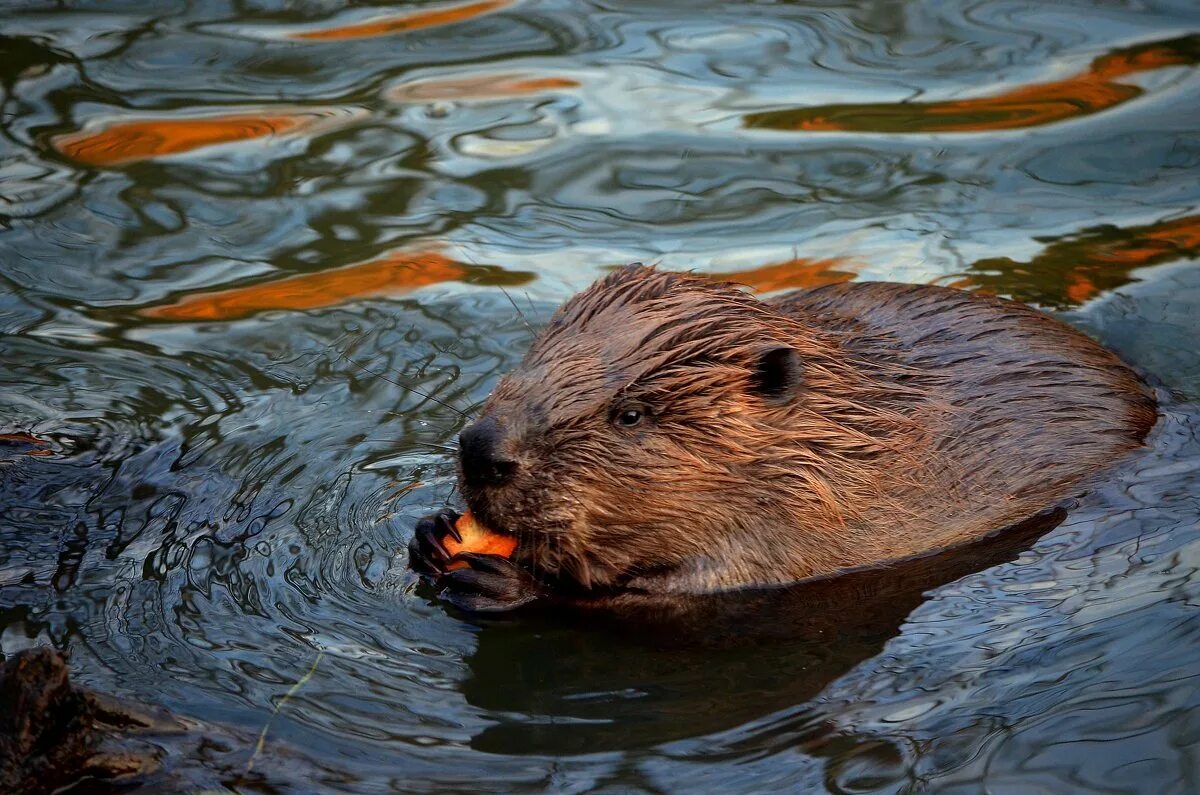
x=395, y=273
x=1080, y=288
x=25, y=444
x=144, y=139
x=383, y=26
x=485, y=86
x=792, y=274
x=1075, y=268
x=1027, y=106
x=1168, y=239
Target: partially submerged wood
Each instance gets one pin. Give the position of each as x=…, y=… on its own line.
x=55, y=734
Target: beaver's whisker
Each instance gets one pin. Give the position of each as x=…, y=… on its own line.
x=417, y=392
x=682, y=196
x=392, y=413
x=433, y=445
x=344, y=354
x=475, y=406
x=450, y=494
x=520, y=314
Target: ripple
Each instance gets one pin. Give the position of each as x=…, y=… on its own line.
x=31, y=186
x=120, y=142
x=793, y=274
x=1092, y=92
x=483, y=86
x=1077, y=267
x=239, y=339
x=394, y=274
x=392, y=24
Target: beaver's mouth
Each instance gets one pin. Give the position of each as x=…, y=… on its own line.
x=542, y=543
x=484, y=510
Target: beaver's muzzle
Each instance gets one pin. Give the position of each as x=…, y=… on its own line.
x=480, y=449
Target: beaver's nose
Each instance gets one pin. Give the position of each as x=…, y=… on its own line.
x=483, y=463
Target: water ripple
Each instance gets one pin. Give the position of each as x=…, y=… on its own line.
x=249, y=260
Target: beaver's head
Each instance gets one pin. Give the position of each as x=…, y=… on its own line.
x=655, y=418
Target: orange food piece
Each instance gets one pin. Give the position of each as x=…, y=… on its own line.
x=479, y=539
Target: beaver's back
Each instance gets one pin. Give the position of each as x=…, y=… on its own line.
x=1023, y=409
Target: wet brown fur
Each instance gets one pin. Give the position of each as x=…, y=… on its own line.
x=925, y=417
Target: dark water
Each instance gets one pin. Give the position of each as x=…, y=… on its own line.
x=214, y=216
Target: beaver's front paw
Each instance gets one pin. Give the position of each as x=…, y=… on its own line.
x=490, y=584
x=426, y=552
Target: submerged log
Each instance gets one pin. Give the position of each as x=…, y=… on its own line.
x=52, y=733
x=55, y=734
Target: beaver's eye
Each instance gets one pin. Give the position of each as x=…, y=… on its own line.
x=627, y=418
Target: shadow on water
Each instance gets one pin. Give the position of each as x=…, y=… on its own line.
x=705, y=665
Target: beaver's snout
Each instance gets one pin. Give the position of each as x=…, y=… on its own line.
x=480, y=449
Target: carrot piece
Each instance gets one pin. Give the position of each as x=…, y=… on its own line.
x=479, y=539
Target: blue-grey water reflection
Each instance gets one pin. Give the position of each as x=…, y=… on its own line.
x=214, y=215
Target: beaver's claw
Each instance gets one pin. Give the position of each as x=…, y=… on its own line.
x=492, y=584
x=426, y=553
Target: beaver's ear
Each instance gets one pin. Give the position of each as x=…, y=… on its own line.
x=778, y=374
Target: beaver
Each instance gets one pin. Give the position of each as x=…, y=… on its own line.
x=670, y=434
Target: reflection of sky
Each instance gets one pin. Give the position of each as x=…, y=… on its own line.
x=230, y=481
x=645, y=159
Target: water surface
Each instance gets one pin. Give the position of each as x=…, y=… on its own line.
x=234, y=235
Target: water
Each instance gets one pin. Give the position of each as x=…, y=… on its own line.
x=216, y=219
